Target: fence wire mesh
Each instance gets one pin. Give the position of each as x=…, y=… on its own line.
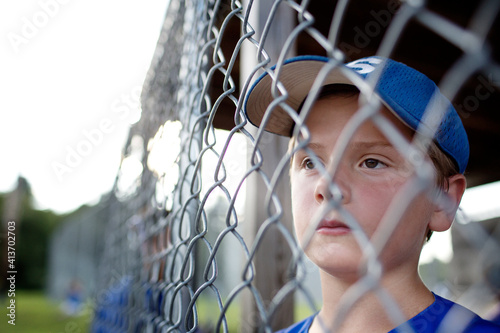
x=199, y=236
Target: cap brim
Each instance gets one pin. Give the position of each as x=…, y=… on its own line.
x=297, y=76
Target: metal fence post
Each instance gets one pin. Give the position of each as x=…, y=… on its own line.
x=272, y=256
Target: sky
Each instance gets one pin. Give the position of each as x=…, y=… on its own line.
x=70, y=80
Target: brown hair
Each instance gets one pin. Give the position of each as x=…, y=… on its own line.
x=445, y=168
x=444, y=165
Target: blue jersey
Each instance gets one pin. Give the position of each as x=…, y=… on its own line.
x=441, y=316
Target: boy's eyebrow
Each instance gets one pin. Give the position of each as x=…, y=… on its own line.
x=319, y=147
x=314, y=146
x=371, y=144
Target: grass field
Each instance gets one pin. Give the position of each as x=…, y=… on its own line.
x=35, y=313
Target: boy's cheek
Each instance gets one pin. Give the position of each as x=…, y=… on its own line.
x=390, y=182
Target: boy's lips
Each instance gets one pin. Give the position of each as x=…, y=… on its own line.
x=332, y=227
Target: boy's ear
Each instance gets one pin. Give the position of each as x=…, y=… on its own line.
x=445, y=213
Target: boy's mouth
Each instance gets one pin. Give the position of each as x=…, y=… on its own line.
x=332, y=228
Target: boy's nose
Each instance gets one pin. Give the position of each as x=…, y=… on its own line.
x=321, y=190
x=336, y=189
x=328, y=190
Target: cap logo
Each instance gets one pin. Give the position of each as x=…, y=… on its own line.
x=364, y=66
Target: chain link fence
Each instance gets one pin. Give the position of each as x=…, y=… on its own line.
x=200, y=235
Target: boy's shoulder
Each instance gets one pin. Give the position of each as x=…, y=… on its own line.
x=447, y=316
x=300, y=327
x=441, y=316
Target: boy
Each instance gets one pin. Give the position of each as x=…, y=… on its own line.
x=374, y=187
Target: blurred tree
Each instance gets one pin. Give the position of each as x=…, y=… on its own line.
x=33, y=230
x=32, y=250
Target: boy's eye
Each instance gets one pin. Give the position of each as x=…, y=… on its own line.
x=308, y=164
x=372, y=163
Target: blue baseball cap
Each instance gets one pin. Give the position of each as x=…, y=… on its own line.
x=403, y=90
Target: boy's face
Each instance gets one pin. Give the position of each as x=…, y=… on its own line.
x=370, y=175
